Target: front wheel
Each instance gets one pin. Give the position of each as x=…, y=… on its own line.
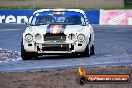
x=27, y=55
x=92, y=50
x=87, y=51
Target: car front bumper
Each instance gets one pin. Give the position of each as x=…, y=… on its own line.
x=55, y=45
x=60, y=48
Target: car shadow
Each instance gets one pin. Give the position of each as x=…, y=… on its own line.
x=56, y=57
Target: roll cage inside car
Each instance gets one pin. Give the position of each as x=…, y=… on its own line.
x=41, y=19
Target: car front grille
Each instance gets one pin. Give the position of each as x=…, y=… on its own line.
x=55, y=47
x=55, y=38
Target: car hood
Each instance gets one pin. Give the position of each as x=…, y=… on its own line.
x=54, y=29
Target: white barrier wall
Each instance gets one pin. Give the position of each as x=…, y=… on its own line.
x=115, y=17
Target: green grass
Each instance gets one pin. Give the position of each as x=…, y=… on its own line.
x=33, y=7
x=20, y=7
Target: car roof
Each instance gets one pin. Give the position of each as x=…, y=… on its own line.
x=75, y=10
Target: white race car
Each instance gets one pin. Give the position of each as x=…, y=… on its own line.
x=58, y=31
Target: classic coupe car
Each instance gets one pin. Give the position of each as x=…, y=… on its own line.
x=58, y=31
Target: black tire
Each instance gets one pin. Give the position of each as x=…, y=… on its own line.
x=92, y=50
x=74, y=55
x=27, y=55
x=86, y=53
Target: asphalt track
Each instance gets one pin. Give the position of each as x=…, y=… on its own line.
x=113, y=46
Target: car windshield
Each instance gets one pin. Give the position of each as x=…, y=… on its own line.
x=55, y=17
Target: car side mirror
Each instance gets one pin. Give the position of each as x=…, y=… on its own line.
x=87, y=22
x=27, y=23
x=84, y=24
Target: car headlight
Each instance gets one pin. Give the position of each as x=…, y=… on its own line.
x=71, y=36
x=29, y=37
x=81, y=38
x=38, y=36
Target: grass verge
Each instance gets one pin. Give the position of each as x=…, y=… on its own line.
x=34, y=7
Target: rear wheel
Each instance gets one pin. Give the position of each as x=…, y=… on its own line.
x=27, y=55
